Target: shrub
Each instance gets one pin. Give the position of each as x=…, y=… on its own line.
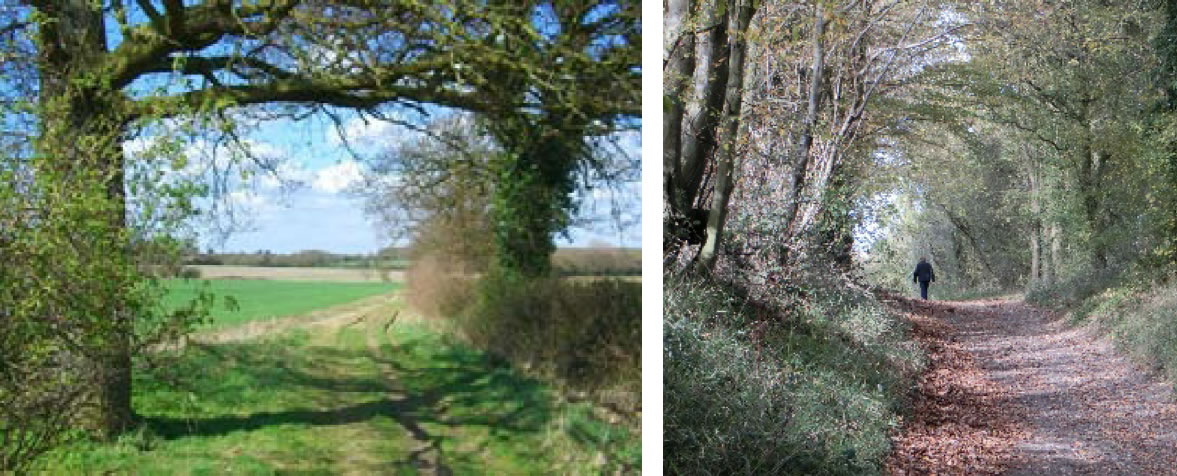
x=1073, y=290
x=600, y=260
x=187, y=272
x=585, y=334
x=437, y=286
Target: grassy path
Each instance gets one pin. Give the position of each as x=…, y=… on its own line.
x=1013, y=390
x=339, y=392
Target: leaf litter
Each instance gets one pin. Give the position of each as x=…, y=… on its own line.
x=1010, y=389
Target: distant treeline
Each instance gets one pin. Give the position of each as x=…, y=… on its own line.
x=394, y=258
x=566, y=261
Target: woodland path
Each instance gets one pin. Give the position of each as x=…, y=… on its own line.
x=1011, y=389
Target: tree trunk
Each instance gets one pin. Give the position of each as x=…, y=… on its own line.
x=1052, y=270
x=679, y=68
x=1035, y=223
x=1096, y=213
x=1090, y=181
x=532, y=197
x=733, y=99
x=82, y=130
x=805, y=141
x=1092, y=209
x=1035, y=270
x=701, y=115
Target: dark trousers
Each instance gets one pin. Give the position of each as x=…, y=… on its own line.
x=924, y=289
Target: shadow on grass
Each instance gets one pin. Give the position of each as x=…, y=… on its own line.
x=430, y=384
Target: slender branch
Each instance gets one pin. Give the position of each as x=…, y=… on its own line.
x=157, y=21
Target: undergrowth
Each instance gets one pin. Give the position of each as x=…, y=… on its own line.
x=1068, y=293
x=810, y=388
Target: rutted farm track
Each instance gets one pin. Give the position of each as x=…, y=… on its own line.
x=360, y=388
x=1011, y=390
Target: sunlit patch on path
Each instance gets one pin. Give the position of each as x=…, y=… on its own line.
x=1068, y=402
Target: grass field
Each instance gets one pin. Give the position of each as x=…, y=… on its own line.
x=346, y=393
x=264, y=299
x=341, y=402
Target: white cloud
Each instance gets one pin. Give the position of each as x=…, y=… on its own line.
x=338, y=177
x=248, y=201
x=370, y=132
x=286, y=172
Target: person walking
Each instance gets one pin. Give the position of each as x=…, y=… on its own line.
x=924, y=275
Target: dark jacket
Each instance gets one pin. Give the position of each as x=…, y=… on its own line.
x=923, y=272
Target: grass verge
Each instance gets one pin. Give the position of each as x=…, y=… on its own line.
x=1139, y=313
x=811, y=389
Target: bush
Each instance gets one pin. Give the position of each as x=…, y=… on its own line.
x=437, y=286
x=598, y=261
x=584, y=334
x=752, y=390
x=187, y=272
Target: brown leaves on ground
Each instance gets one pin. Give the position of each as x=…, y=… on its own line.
x=959, y=422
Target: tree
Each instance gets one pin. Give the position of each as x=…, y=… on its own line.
x=695, y=83
x=585, y=83
x=803, y=126
x=729, y=126
x=107, y=68
x=1050, y=140
x=1080, y=97
x=433, y=189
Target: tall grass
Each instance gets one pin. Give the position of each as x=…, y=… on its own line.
x=813, y=388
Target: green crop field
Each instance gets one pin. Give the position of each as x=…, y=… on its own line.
x=265, y=299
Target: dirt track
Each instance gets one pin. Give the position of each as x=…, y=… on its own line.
x=329, y=318
x=1011, y=390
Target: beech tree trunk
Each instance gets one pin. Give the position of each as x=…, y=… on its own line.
x=701, y=116
x=679, y=69
x=805, y=141
x=733, y=99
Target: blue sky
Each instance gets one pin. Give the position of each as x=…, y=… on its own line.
x=312, y=209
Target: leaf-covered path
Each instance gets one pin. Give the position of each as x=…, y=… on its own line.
x=1012, y=390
